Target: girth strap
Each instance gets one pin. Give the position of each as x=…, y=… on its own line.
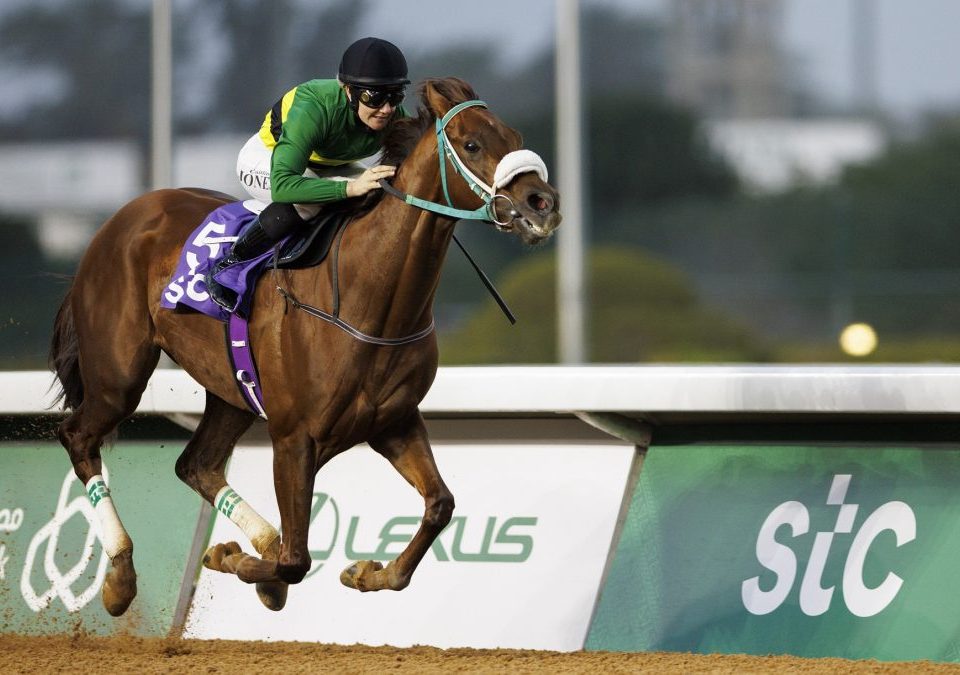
x=244, y=367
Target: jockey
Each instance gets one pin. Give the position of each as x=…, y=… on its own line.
x=305, y=154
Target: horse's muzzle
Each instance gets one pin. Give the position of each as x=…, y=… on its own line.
x=537, y=214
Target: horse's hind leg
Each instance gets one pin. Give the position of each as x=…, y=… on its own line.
x=202, y=466
x=107, y=401
x=408, y=450
x=103, y=351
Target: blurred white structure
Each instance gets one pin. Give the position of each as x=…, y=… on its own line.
x=81, y=176
x=70, y=187
x=209, y=162
x=771, y=155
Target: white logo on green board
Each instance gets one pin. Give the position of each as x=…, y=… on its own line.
x=10, y=521
x=4, y=559
x=863, y=601
x=47, y=538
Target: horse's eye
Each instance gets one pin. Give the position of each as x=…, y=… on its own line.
x=470, y=146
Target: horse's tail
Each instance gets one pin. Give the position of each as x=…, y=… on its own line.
x=64, y=358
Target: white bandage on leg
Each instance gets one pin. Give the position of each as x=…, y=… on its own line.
x=112, y=534
x=260, y=533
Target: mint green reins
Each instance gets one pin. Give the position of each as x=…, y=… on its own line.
x=510, y=165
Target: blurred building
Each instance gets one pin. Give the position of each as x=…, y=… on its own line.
x=725, y=58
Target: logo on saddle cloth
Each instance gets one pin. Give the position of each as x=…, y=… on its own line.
x=212, y=240
x=204, y=247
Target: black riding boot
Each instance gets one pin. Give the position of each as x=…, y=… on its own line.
x=251, y=243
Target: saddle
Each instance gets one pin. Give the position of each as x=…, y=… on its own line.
x=308, y=247
x=312, y=244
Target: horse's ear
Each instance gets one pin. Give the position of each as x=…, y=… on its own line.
x=439, y=104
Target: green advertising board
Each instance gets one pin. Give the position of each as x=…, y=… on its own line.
x=823, y=550
x=51, y=560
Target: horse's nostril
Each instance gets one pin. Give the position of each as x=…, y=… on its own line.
x=539, y=202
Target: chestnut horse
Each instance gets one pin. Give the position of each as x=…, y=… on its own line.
x=325, y=391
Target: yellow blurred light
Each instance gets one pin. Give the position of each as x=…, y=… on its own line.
x=858, y=339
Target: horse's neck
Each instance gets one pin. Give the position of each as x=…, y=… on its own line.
x=391, y=259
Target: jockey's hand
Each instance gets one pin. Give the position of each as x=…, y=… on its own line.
x=369, y=180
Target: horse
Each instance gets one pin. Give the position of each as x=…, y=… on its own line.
x=325, y=391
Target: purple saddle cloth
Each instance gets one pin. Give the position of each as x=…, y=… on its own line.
x=204, y=247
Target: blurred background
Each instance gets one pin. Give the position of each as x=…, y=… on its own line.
x=758, y=175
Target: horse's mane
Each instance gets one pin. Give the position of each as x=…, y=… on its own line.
x=403, y=133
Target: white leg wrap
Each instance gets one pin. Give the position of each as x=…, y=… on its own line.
x=112, y=534
x=260, y=533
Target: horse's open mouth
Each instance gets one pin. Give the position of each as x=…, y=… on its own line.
x=538, y=229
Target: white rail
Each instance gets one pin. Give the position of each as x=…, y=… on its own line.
x=548, y=390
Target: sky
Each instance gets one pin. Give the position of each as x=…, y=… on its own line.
x=918, y=41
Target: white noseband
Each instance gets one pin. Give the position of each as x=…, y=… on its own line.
x=514, y=163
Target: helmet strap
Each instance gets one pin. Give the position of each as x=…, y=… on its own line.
x=352, y=99
x=354, y=102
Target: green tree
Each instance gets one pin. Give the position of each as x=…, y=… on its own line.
x=97, y=52
x=906, y=204
x=881, y=246
x=640, y=309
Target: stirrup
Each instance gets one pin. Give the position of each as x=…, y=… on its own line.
x=220, y=294
x=252, y=242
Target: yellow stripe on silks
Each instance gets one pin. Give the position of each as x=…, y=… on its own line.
x=266, y=130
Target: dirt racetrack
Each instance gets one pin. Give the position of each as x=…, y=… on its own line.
x=81, y=653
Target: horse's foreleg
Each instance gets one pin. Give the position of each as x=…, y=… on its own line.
x=202, y=466
x=265, y=539
x=408, y=450
x=294, y=469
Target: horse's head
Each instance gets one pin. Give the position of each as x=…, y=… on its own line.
x=523, y=202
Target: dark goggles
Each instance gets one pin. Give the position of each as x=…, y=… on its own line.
x=377, y=98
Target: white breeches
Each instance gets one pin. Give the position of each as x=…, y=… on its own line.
x=253, y=170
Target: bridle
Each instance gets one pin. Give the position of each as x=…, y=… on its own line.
x=510, y=166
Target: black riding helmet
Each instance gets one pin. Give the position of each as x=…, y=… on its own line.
x=375, y=63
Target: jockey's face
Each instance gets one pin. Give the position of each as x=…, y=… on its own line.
x=375, y=117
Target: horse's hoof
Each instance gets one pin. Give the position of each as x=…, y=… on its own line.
x=359, y=573
x=213, y=558
x=120, y=584
x=273, y=594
